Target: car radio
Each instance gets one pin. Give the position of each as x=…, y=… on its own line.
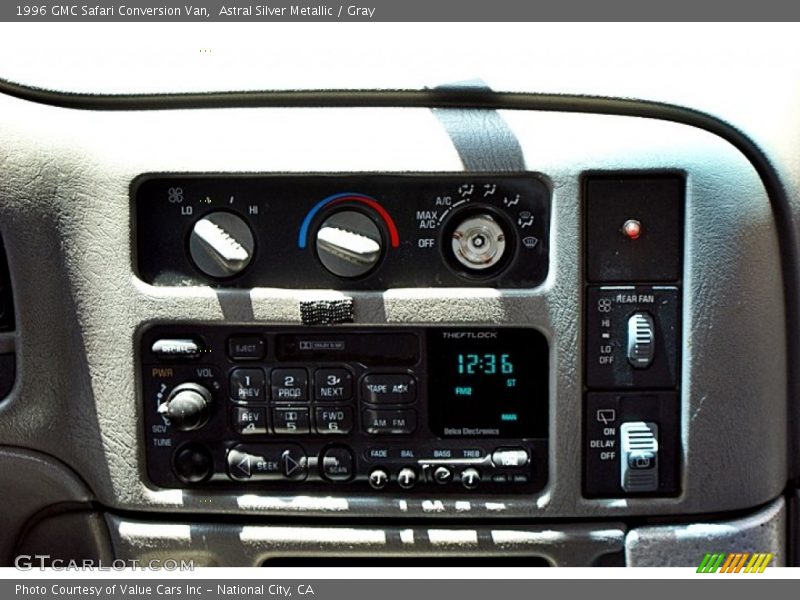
x=398, y=408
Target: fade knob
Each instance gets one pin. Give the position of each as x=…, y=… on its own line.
x=187, y=407
x=221, y=244
x=349, y=244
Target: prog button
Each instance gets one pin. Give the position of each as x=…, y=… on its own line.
x=289, y=385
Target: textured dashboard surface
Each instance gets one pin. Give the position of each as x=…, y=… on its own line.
x=66, y=219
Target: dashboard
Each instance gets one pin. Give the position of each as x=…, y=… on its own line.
x=270, y=326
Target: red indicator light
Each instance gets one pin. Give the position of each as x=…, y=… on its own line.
x=632, y=229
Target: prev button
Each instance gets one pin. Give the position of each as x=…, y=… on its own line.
x=389, y=422
x=247, y=385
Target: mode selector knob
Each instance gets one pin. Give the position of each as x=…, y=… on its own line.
x=480, y=243
x=187, y=407
x=349, y=244
x=221, y=244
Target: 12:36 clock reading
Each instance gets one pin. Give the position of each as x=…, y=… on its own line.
x=486, y=364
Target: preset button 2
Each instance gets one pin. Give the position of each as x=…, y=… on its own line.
x=289, y=385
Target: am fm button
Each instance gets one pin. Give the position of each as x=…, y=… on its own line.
x=389, y=422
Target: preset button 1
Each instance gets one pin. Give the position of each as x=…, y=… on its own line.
x=247, y=385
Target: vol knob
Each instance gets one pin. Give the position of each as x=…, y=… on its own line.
x=187, y=407
x=349, y=244
x=221, y=244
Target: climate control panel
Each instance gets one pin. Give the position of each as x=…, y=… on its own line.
x=342, y=231
x=442, y=408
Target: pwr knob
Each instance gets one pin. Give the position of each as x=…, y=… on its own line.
x=187, y=407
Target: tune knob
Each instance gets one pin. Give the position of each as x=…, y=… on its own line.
x=187, y=407
x=349, y=244
x=221, y=244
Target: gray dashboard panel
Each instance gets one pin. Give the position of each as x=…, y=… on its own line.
x=65, y=218
x=685, y=545
x=228, y=544
x=254, y=545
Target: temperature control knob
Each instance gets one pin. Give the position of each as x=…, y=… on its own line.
x=187, y=407
x=221, y=244
x=349, y=244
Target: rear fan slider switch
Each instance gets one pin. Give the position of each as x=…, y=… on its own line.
x=641, y=346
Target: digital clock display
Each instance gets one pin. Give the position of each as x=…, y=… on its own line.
x=490, y=383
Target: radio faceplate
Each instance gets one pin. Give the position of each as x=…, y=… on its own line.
x=393, y=408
